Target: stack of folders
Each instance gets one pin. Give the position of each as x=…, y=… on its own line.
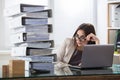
x=31, y=33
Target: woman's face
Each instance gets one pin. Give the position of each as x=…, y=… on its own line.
x=80, y=38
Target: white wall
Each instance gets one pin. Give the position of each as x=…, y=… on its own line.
x=2, y=27
x=69, y=14
x=14, y=2
x=102, y=20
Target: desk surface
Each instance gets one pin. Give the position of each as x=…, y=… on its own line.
x=70, y=72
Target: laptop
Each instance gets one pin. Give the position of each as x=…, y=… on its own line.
x=96, y=56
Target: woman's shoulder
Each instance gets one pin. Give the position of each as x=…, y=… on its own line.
x=69, y=40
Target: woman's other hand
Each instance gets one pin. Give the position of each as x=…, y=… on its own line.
x=92, y=37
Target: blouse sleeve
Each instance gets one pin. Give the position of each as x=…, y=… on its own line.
x=61, y=51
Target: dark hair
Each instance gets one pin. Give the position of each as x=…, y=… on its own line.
x=87, y=28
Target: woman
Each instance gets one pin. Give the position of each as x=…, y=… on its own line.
x=71, y=50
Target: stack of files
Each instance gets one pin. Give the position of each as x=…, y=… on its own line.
x=38, y=44
x=112, y=13
x=115, y=15
x=26, y=21
x=23, y=8
x=47, y=28
x=45, y=63
x=29, y=51
x=32, y=35
x=38, y=14
x=43, y=58
x=29, y=37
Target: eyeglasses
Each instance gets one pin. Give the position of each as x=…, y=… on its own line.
x=81, y=38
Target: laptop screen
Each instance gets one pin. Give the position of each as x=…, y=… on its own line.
x=94, y=56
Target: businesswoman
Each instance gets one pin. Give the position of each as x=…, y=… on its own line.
x=71, y=50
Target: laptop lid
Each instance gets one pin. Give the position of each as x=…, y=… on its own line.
x=96, y=56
